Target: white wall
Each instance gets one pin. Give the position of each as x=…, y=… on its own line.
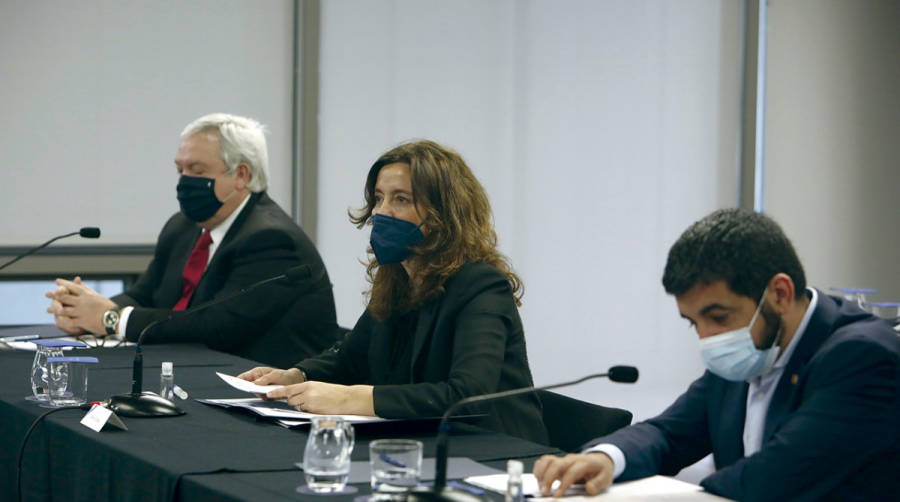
x=598, y=129
x=832, y=131
x=94, y=94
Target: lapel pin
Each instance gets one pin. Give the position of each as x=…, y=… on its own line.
x=794, y=379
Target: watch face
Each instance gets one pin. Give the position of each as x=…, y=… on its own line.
x=110, y=318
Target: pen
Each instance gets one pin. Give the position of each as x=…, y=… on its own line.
x=390, y=460
x=462, y=486
x=20, y=338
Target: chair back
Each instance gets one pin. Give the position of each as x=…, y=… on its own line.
x=571, y=422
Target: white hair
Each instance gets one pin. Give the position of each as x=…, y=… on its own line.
x=241, y=140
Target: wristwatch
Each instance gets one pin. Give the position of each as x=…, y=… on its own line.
x=111, y=319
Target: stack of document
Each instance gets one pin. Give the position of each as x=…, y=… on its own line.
x=281, y=412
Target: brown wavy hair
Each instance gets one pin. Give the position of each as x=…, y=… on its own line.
x=459, y=223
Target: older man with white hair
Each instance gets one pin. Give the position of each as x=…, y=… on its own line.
x=228, y=235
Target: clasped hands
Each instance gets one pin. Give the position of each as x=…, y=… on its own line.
x=78, y=309
x=311, y=396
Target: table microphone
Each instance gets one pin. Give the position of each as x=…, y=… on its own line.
x=86, y=232
x=440, y=491
x=148, y=404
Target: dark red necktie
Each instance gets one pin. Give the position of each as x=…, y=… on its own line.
x=193, y=270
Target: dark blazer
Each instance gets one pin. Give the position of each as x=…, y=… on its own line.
x=467, y=342
x=275, y=324
x=832, y=430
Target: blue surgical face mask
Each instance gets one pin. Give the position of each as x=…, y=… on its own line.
x=197, y=197
x=733, y=355
x=392, y=239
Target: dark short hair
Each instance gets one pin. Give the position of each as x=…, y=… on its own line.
x=743, y=248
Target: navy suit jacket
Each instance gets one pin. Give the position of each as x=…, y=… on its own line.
x=832, y=430
x=276, y=324
x=467, y=342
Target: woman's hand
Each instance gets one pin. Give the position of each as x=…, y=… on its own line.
x=327, y=398
x=264, y=375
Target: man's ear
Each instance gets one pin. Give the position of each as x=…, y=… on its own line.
x=243, y=175
x=783, y=288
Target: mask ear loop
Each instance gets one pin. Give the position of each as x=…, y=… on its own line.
x=755, y=314
x=233, y=190
x=228, y=196
x=758, y=309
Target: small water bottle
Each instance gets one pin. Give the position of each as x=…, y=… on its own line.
x=167, y=381
x=514, y=482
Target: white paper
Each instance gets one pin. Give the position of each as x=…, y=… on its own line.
x=246, y=386
x=654, y=485
x=291, y=423
x=29, y=346
x=497, y=483
x=647, y=489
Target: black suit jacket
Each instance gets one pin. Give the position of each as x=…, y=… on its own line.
x=467, y=342
x=276, y=324
x=832, y=430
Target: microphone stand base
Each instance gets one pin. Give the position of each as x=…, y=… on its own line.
x=447, y=494
x=145, y=404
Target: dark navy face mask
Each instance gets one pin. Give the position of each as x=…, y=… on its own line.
x=392, y=239
x=197, y=197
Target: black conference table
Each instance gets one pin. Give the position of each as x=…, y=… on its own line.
x=208, y=454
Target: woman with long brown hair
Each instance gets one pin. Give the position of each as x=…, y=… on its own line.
x=441, y=322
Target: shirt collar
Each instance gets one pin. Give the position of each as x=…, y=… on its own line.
x=221, y=229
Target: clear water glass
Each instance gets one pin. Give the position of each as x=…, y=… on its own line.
x=69, y=380
x=396, y=467
x=326, y=459
x=857, y=295
x=40, y=373
x=885, y=310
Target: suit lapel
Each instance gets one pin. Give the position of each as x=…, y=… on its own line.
x=731, y=436
x=815, y=334
x=427, y=316
x=201, y=294
x=380, y=344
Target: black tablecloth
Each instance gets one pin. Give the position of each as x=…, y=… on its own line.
x=206, y=454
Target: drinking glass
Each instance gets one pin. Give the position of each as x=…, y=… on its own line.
x=857, y=295
x=40, y=373
x=69, y=380
x=885, y=310
x=40, y=370
x=326, y=459
x=396, y=466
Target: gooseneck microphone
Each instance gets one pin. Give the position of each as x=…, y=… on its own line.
x=148, y=404
x=86, y=232
x=440, y=491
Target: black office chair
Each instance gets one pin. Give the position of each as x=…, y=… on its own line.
x=571, y=422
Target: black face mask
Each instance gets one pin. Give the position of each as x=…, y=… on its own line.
x=392, y=239
x=197, y=197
